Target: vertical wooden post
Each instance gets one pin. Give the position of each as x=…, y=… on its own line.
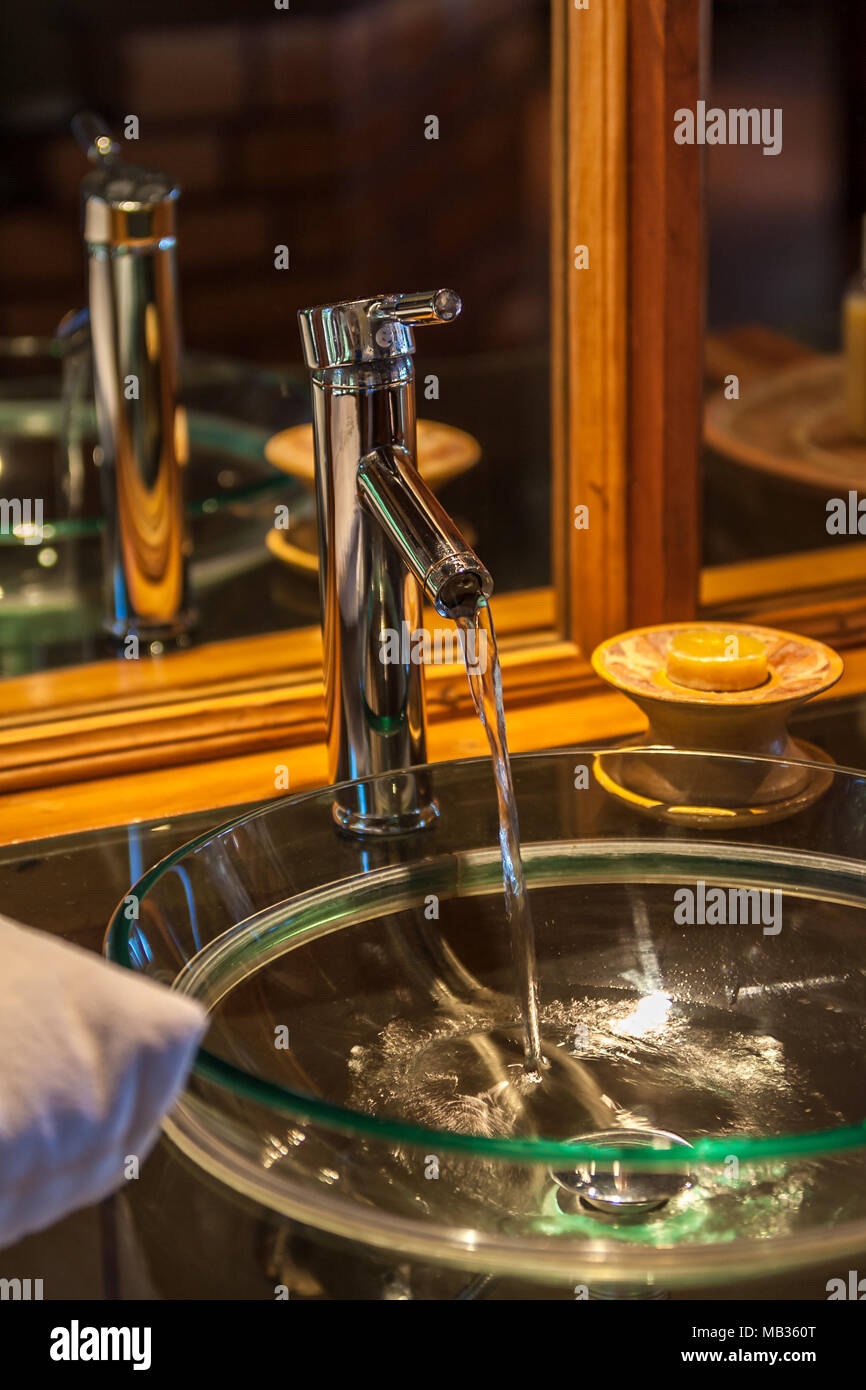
x=666, y=312
x=628, y=329
x=589, y=314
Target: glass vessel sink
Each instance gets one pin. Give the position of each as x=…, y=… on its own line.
x=701, y=1115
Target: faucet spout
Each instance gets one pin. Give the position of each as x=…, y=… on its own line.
x=423, y=533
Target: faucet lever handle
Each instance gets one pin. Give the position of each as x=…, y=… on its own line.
x=360, y=332
x=125, y=204
x=427, y=306
x=95, y=138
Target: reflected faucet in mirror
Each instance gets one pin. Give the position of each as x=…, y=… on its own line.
x=384, y=541
x=129, y=235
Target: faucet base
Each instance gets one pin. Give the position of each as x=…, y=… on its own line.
x=151, y=639
x=367, y=824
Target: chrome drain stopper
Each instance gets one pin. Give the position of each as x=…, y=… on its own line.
x=613, y=1189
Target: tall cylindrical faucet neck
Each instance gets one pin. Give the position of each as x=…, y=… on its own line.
x=129, y=234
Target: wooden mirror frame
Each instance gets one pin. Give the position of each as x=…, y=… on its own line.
x=241, y=720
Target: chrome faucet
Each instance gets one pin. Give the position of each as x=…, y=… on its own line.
x=129, y=234
x=383, y=539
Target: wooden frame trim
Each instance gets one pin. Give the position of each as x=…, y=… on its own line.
x=627, y=402
x=285, y=660
x=589, y=346
x=590, y=716
x=666, y=312
x=188, y=722
x=220, y=784
x=781, y=576
x=772, y=591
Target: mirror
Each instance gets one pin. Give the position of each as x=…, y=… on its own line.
x=382, y=145
x=785, y=411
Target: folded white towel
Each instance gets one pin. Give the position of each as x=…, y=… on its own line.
x=91, y=1058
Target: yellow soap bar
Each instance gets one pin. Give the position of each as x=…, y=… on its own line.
x=705, y=660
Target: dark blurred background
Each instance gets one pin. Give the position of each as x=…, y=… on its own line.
x=303, y=127
x=784, y=231
x=783, y=239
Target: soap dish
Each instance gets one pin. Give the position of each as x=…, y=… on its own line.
x=751, y=721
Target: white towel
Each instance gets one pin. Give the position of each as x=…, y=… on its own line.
x=91, y=1058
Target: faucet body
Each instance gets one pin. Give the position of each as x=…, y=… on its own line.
x=384, y=541
x=129, y=234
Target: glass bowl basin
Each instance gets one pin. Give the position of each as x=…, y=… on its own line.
x=702, y=1113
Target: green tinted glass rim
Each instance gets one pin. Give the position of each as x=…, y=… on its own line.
x=224, y=436
x=708, y=1150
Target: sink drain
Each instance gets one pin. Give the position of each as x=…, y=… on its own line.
x=611, y=1189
